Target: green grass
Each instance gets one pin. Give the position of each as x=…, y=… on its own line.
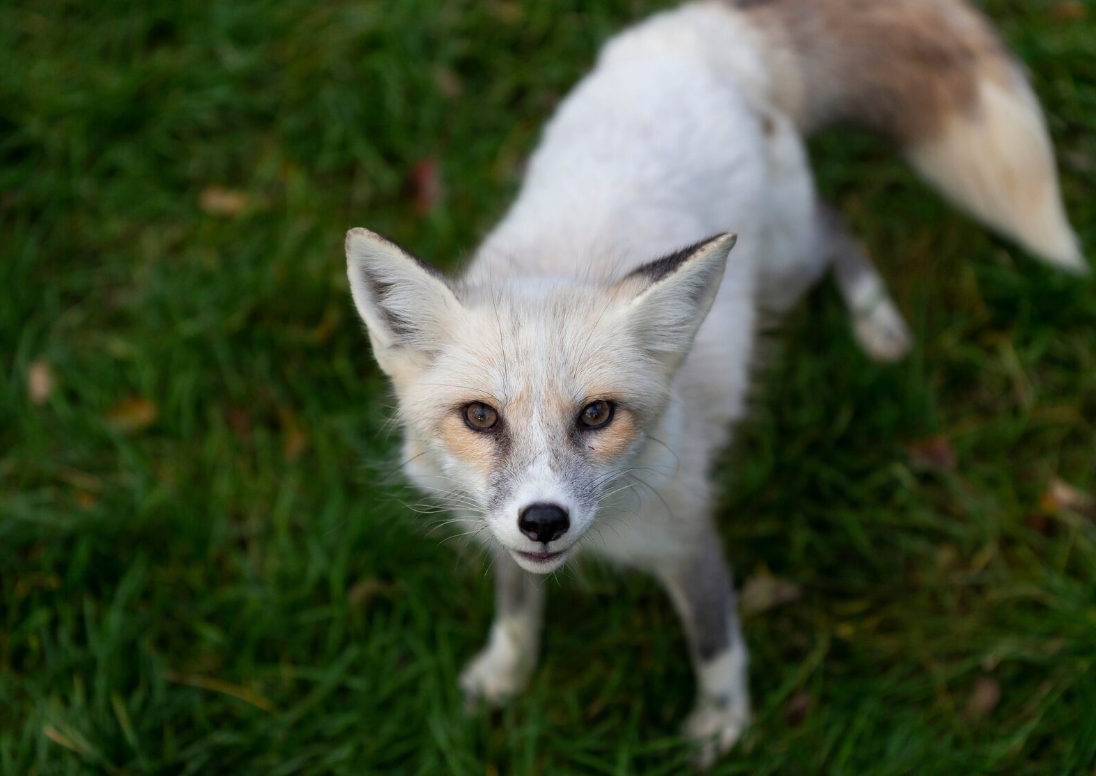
x=229, y=588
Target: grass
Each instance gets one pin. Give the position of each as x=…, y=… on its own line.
x=200, y=571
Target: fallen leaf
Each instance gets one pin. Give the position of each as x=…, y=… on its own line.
x=40, y=382
x=797, y=708
x=983, y=699
x=85, y=500
x=947, y=556
x=507, y=12
x=1061, y=496
x=762, y=593
x=365, y=590
x=221, y=201
x=132, y=415
x=1040, y=523
x=423, y=185
x=294, y=438
x=449, y=84
x=240, y=422
x=1068, y=11
x=932, y=453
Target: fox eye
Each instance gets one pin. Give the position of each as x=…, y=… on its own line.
x=480, y=416
x=595, y=415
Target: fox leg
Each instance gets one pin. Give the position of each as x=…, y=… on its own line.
x=877, y=324
x=503, y=665
x=700, y=586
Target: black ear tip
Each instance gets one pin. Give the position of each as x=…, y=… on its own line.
x=658, y=269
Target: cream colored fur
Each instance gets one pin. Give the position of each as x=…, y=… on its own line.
x=998, y=164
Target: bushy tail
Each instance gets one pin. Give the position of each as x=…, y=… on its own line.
x=935, y=77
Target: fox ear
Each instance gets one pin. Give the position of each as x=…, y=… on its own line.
x=406, y=305
x=673, y=295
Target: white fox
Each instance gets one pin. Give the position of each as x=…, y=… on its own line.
x=572, y=380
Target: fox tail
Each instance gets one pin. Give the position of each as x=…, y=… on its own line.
x=933, y=76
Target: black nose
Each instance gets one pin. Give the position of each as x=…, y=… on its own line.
x=544, y=522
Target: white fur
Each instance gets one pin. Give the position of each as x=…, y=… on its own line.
x=415, y=295
x=503, y=665
x=670, y=140
x=715, y=727
x=654, y=150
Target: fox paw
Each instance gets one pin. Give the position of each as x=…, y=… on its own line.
x=714, y=729
x=882, y=333
x=492, y=677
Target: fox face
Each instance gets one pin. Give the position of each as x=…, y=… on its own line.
x=524, y=402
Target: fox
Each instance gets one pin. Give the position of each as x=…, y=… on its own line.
x=593, y=359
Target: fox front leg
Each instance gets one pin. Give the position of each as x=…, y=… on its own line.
x=502, y=667
x=700, y=587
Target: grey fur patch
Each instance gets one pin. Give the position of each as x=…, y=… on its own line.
x=701, y=587
x=850, y=259
x=499, y=486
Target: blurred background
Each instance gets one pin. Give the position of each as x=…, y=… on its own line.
x=202, y=568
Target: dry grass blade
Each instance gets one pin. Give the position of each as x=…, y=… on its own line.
x=244, y=694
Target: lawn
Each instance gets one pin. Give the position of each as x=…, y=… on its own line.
x=206, y=563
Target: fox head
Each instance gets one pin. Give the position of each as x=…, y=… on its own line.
x=523, y=401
